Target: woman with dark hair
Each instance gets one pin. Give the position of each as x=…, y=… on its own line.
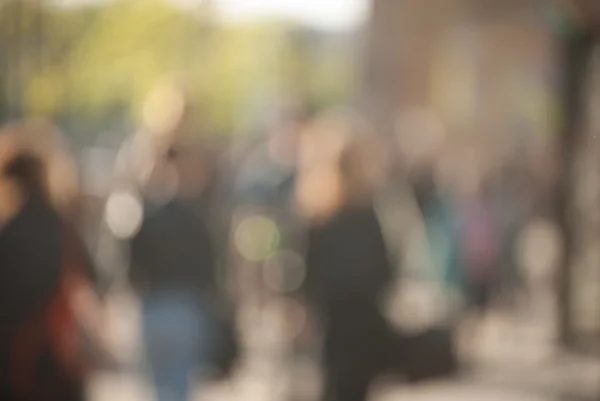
x=33, y=237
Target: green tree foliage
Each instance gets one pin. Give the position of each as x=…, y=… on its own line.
x=100, y=61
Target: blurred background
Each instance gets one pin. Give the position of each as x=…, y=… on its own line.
x=504, y=93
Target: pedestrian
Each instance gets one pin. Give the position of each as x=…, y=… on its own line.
x=44, y=265
x=172, y=269
x=347, y=262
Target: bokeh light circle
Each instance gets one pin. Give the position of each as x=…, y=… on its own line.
x=257, y=238
x=123, y=214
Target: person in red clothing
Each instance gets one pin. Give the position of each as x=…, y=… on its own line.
x=33, y=240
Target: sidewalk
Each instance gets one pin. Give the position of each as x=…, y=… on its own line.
x=518, y=367
x=574, y=381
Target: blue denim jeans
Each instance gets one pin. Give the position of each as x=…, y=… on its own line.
x=176, y=332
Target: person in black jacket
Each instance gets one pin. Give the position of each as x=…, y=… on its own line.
x=347, y=261
x=31, y=268
x=172, y=267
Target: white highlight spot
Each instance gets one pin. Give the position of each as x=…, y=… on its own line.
x=123, y=214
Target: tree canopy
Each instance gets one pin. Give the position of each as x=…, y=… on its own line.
x=98, y=62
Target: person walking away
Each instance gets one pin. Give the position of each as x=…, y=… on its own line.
x=479, y=253
x=172, y=269
x=347, y=262
x=437, y=205
x=40, y=256
x=512, y=207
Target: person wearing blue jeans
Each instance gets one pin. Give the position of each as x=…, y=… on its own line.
x=172, y=269
x=176, y=334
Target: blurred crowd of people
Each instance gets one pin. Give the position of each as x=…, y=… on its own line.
x=208, y=237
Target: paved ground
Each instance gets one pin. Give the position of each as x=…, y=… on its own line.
x=553, y=384
x=513, y=362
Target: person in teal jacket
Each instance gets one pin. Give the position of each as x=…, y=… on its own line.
x=442, y=229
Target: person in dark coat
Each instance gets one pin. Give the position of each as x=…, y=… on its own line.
x=347, y=262
x=172, y=268
x=31, y=255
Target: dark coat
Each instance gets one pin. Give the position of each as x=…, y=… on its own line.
x=347, y=270
x=347, y=261
x=173, y=250
x=31, y=252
